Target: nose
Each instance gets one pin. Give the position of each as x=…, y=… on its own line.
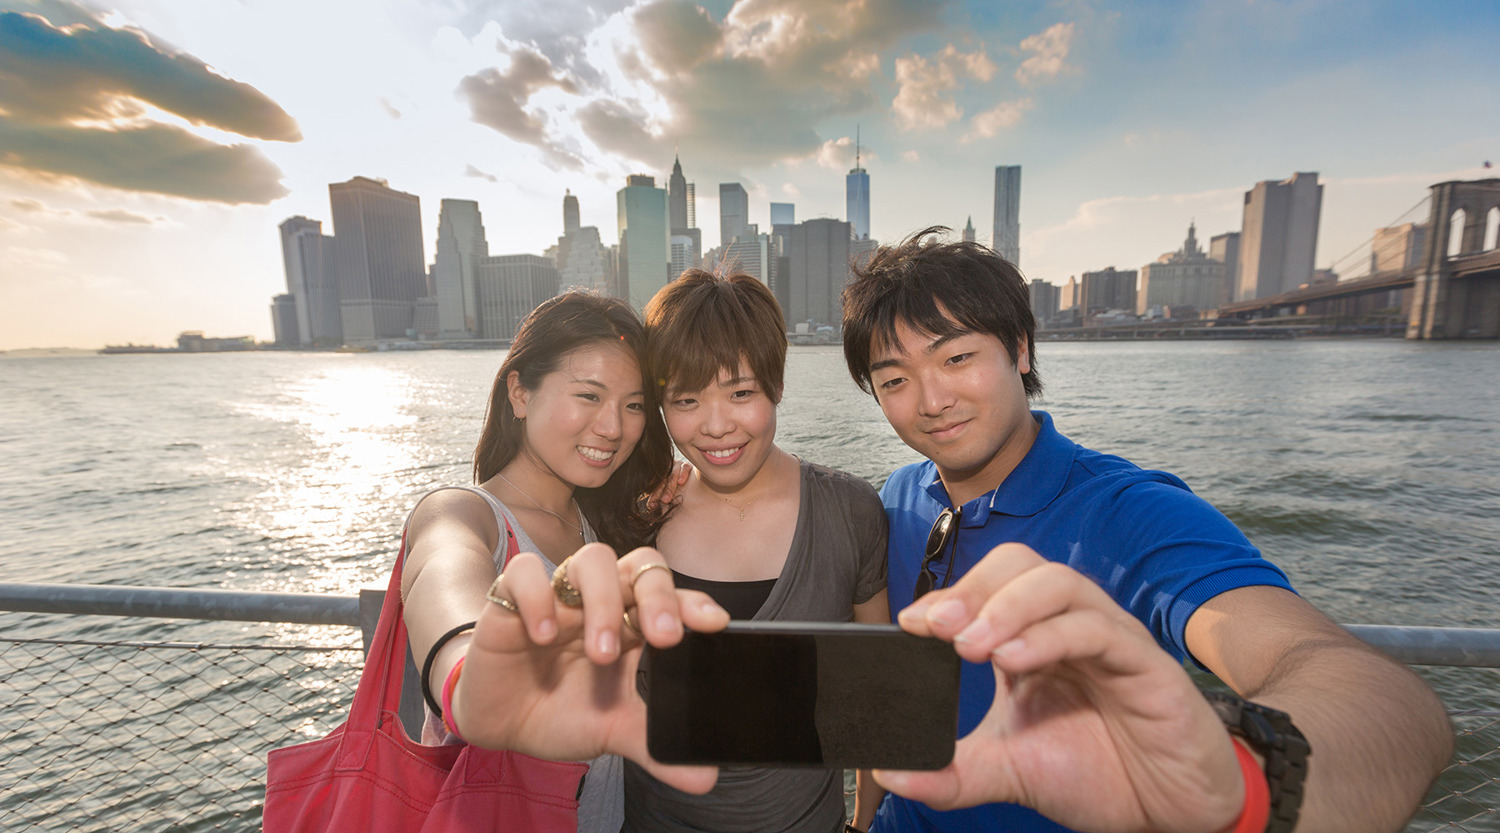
x=610, y=423
x=717, y=420
x=933, y=397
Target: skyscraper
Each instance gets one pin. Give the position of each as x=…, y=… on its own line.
x=1279, y=236
x=644, y=250
x=1225, y=248
x=312, y=281
x=377, y=233
x=857, y=196
x=817, y=269
x=570, y=212
x=460, y=246
x=510, y=287
x=1185, y=278
x=969, y=230
x=686, y=240
x=1007, y=236
x=734, y=211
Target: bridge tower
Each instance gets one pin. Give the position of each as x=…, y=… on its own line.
x=1456, y=293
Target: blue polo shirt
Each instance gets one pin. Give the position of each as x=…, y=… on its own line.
x=1158, y=549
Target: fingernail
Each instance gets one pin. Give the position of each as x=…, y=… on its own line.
x=546, y=629
x=949, y=612
x=664, y=623
x=607, y=642
x=1011, y=648
x=978, y=631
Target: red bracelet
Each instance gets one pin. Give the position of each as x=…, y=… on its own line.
x=1256, y=813
x=451, y=683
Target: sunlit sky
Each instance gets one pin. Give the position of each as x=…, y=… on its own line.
x=149, y=148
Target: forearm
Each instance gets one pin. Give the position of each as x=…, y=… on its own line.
x=1378, y=734
x=867, y=798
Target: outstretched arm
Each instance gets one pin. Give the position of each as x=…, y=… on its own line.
x=1378, y=733
x=1093, y=724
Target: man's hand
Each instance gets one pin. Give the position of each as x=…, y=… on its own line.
x=559, y=682
x=1093, y=725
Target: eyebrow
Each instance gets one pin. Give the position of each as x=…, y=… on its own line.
x=595, y=383
x=933, y=347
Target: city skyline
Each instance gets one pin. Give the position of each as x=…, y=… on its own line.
x=511, y=108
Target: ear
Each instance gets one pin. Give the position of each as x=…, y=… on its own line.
x=517, y=394
x=1023, y=361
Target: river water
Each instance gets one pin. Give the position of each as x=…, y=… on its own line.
x=1368, y=469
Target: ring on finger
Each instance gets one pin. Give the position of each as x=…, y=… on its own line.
x=641, y=570
x=563, y=588
x=493, y=594
x=630, y=623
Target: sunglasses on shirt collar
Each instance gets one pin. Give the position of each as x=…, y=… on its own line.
x=944, y=530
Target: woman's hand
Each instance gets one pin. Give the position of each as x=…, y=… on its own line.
x=559, y=682
x=669, y=493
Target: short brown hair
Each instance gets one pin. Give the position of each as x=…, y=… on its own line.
x=932, y=286
x=701, y=324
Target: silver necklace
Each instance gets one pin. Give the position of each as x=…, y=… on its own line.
x=572, y=526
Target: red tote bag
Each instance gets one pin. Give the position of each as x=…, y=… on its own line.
x=367, y=776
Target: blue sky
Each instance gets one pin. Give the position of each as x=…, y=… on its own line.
x=149, y=148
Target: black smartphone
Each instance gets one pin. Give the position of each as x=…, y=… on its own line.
x=846, y=696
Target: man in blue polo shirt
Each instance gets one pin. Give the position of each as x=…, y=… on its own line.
x=942, y=335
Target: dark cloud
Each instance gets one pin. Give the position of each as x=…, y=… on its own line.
x=747, y=89
x=48, y=74
x=60, y=67
x=474, y=172
x=156, y=158
x=28, y=205
x=499, y=100
x=120, y=215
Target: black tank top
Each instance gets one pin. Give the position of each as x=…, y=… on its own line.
x=741, y=598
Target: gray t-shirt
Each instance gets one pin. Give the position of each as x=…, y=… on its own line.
x=601, y=804
x=837, y=560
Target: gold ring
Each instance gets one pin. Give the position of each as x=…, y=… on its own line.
x=563, y=588
x=641, y=570
x=493, y=595
x=630, y=623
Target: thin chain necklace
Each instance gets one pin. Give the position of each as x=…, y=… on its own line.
x=737, y=506
x=572, y=526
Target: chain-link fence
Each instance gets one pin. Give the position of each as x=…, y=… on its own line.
x=102, y=735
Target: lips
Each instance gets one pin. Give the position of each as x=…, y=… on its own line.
x=596, y=456
x=945, y=432
x=723, y=456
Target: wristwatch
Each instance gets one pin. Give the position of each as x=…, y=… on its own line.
x=1271, y=734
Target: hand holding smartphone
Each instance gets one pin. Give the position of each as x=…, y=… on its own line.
x=819, y=694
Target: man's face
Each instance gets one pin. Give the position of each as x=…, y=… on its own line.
x=959, y=400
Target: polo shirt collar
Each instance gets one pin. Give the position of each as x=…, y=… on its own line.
x=1031, y=485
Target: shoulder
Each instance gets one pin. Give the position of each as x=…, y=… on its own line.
x=842, y=487
x=450, y=506
x=907, y=481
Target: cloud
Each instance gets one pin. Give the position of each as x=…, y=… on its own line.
x=1049, y=54
x=745, y=90
x=390, y=108
x=1002, y=116
x=120, y=215
x=74, y=99
x=911, y=156
x=30, y=206
x=474, y=172
x=155, y=158
x=925, y=99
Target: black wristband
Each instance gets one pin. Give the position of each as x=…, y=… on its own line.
x=432, y=655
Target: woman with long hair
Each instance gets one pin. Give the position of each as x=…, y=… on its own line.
x=572, y=438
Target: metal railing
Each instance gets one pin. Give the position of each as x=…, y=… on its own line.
x=129, y=734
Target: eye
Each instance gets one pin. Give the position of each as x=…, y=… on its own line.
x=636, y=406
x=684, y=403
x=960, y=358
x=891, y=383
x=743, y=394
x=589, y=396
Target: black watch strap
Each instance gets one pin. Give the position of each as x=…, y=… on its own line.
x=1273, y=736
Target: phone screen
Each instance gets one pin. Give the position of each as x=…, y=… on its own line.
x=802, y=694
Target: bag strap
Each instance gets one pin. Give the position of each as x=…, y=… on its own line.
x=379, y=690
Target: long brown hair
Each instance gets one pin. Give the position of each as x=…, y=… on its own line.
x=560, y=325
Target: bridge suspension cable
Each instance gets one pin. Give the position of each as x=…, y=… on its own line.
x=1366, y=248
